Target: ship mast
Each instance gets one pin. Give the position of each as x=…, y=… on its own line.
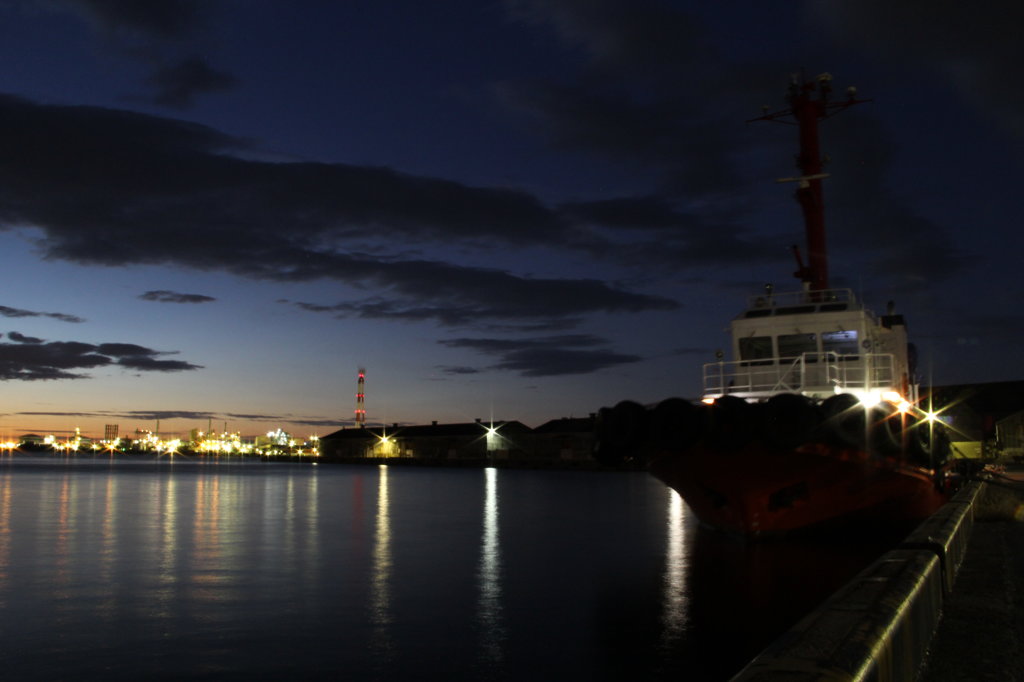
x=808, y=104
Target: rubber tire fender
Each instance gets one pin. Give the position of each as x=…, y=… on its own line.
x=843, y=421
x=730, y=422
x=788, y=420
x=886, y=434
x=676, y=425
x=619, y=432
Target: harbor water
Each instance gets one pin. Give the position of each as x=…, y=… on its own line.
x=166, y=568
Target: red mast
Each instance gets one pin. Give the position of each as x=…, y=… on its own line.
x=809, y=103
x=361, y=399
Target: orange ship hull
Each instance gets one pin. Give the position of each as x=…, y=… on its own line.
x=757, y=492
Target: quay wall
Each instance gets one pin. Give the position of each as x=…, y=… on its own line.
x=879, y=625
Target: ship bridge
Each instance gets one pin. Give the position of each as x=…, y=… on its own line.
x=817, y=343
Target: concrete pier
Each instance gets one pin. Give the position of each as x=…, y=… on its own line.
x=981, y=633
x=948, y=604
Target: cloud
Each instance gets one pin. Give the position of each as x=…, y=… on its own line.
x=865, y=212
x=546, y=356
x=689, y=350
x=21, y=338
x=164, y=296
x=459, y=370
x=178, y=84
x=156, y=33
x=651, y=230
x=114, y=168
x=31, y=359
x=650, y=92
x=18, y=312
x=975, y=47
x=96, y=182
x=453, y=296
x=165, y=19
x=193, y=415
x=618, y=35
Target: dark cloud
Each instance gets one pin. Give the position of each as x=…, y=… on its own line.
x=201, y=416
x=178, y=84
x=130, y=350
x=631, y=213
x=112, y=167
x=975, y=47
x=546, y=356
x=690, y=351
x=31, y=359
x=652, y=231
x=149, y=364
x=865, y=212
x=454, y=296
x=459, y=370
x=164, y=296
x=21, y=338
x=18, y=312
x=165, y=19
x=684, y=150
x=650, y=93
x=97, y=183
x=621, y=37
x=156, y=33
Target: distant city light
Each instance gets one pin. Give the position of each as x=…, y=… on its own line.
x=276, y=443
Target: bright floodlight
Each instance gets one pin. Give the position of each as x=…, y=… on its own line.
x=868, y=398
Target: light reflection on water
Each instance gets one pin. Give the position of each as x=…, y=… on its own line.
x=674, y=600
x=120, y=569
x=380, y=583
x=489, y=605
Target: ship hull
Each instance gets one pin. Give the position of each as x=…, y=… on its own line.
x=756, y=492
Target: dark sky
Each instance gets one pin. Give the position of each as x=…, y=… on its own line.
x=220, y=210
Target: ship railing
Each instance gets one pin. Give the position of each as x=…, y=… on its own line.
x=788, y=299
x=810, y=373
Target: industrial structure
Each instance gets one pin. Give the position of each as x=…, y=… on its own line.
x=361, y=399
x=561, y=440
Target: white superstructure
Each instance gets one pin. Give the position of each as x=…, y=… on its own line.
x=816, y=343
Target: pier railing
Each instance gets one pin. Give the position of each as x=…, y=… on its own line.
x=811, y=373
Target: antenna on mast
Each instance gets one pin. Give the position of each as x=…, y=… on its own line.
x=809, y=102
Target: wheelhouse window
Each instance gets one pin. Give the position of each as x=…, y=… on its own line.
x=754, y=348
x=794, y=345
x=841, y=343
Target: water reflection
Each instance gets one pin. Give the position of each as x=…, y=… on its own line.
x=63, y=530
x=489, y=602
x=311, y=528
x=289, y=525
x=356, y=525
x=5, y=527
x=134, y=571
x=108, y=544
x=206, y=553
x=380, y=579
x=674, y=603
x=166, y=543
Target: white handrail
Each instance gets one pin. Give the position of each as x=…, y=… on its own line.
x=808, y=373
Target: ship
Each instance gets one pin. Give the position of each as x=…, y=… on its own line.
x=815, y=421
